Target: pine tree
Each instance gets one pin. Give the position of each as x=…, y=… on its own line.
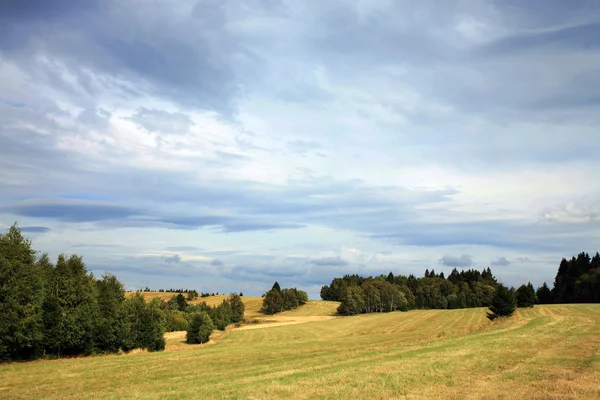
x=109, y=328
x=544, y=294
x=22, y=282
x=503, y=303
x=525, y=296
x=276, y=287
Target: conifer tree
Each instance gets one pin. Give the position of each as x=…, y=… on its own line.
x=503, y=303
x=21, y=297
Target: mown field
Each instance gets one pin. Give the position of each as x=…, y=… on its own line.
x=548, y=352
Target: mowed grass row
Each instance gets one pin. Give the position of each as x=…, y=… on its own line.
x=548, y=352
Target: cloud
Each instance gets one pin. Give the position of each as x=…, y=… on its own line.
x=70, y=210
x=575, y=212
x=500, y=261
x=34, y=229
x=216, y=263
x=162, y=121
x=182, y=248
x=350, y=137
x=329, y=261
x=453, y=261
x=174, y=259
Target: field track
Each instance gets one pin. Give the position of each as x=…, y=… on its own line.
x=548, y=352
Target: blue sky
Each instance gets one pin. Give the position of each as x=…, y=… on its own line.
x=223, y=145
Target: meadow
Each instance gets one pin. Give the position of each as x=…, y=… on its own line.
x=545, y=352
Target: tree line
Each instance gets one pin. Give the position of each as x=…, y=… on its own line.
x=577, y=281
x=62, y=310
x=278, y=299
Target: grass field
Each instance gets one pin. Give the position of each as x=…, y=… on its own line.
x=548, y=352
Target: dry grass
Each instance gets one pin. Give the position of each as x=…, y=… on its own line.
x=253, y=304
x=548, y=352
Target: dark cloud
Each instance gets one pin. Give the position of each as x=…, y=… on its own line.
x=454, y=261
x=216, y=263
x=329, y=261
x=174, y=259
x=71, y=211
x=34, y=229
x=501, y=262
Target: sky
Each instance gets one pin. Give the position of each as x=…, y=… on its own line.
x=225, y=145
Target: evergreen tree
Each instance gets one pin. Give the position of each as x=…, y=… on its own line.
x=503, y=303
x=72, y=308
x=22, y=282
x=276, y=287
x=525, y=296
x=111, y=295
x=544, y=295
x=200, y=328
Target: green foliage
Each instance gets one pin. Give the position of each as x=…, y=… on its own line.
x=109, y=328
x=525, y=296
x=21, y=295
x=276, y=287
x=275, y=301
x=237, y=308
x=63, y=310
x=71, y=307
x=272, y=302
x=144, y=329
x=191, y=295
x=200, y=328
x=578, y=280
x=544, y=294
x=503, y=303
x=353, y=301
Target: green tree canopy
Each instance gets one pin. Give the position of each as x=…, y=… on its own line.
x=200, y=328
x=503, y=303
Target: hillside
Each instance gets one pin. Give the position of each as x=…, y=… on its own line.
x=548, y=352
x=253, y=304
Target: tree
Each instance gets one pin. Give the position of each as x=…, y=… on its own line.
x=21, y=295
x=525, y=296
x=111, y=296
x=272, y=302
x=237, y=308
x=353, y=301
x=143, y=325
x=276, y=287
x=71, y=308
x=544, y=295
x=503, y=303
x=200, y=328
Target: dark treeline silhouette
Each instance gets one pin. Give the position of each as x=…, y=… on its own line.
x=278, y=299
x=62, y=310
x=386, y=293
x=577, y=281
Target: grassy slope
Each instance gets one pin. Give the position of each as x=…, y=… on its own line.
x=253, y=304
x=548, y=352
